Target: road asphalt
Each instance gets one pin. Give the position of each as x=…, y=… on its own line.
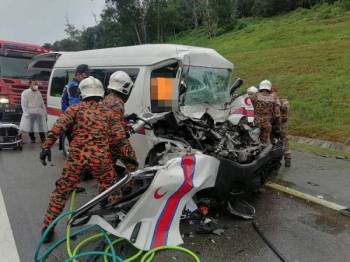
x=299, y=230
x=325, y=177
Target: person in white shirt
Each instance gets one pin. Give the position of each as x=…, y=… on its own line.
x=34, y=112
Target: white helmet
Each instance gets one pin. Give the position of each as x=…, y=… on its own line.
x=91, y=86
x=252, y=90
x=265, y=85
x=121, y=82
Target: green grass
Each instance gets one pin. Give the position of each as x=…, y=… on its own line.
x=306, y=54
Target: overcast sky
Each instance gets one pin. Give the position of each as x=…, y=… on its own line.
x=42, y=21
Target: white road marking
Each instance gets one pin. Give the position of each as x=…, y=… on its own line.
x=306, y=197
x=8, y=249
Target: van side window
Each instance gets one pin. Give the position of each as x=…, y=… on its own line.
x=100, y=74
x=61, y=77
x=132, y=72
x=162, y=88
x=59, y=80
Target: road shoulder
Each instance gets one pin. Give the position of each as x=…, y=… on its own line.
x=8, y=249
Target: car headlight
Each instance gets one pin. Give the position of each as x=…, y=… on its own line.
x=4, y=100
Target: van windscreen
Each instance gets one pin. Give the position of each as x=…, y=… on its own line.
x=206, y=85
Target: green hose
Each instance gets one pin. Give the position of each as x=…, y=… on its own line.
x=130, y=259
x=56, y=244
x=84, y=242
x=89, y=253
x=71, y=207
x=68, y=237
x=97, y=236
x=61, y=241
x=50, y=249
x=73, y=256
x=151, y=253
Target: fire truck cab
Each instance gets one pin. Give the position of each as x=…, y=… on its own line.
x=15, y=77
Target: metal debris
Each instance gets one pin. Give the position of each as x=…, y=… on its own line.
x=341, y=157
x=218, y=231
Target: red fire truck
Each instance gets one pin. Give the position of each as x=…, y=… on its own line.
x=15, y=76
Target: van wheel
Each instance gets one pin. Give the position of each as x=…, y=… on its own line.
x=65, y=146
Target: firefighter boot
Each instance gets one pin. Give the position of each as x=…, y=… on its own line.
x=287, y=162
x=49, y=236
x=80, y=189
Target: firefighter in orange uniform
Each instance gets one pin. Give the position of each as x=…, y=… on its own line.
x=267, y=111
x=119, y=87
x=95, y=131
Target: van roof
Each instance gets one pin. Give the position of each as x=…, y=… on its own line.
x=140, y=55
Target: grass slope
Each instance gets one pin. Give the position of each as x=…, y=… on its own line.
x=306, y=54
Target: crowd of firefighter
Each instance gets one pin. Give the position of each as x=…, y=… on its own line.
x=98, y=136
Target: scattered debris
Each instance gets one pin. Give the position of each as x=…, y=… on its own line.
x=209, y=226
x=241, y=209
x=239, y=251
x=218, y=231
x=345, y=212
x=319, y=196
x=207, y=220
x=312, y=184
x=341, y=157
x=206, y=229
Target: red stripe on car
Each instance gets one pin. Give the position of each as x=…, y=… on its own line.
x=165, y=219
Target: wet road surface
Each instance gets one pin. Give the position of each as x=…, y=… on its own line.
x=326, y=177
x=300, y=231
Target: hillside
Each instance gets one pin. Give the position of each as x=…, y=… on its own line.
x=306, y=54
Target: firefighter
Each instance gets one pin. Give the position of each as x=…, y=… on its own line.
x=284, y=108
x=71, y=96
x=119, y=87
x=95, y=131
x=284, y=132
x=267, y=111
x=251, y=91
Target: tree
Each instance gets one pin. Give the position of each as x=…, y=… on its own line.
x=243, y=8
x=47, y=45
x=130, y=22
x=128, y=17
x=93, y=37
x=72, y=42
x=72, y=32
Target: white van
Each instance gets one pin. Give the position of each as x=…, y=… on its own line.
x=156, y=70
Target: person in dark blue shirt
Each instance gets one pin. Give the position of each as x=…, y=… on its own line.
x=71, y=93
